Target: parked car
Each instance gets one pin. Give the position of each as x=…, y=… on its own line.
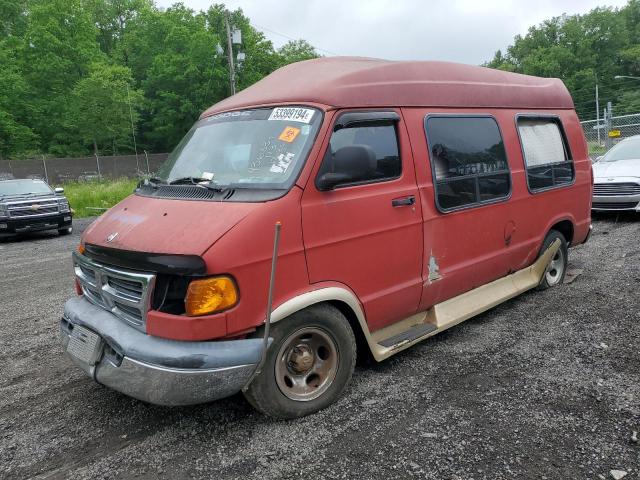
x=30, y=205
x=617, y=177
x=411, y=197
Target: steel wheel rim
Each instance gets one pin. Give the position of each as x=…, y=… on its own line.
x=555, y=268
x=306, y=364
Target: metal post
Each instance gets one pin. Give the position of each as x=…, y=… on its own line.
x=232, y=72
x=133, y=132
x=598, y=114
x=609, y=125
x=98, y=164
x=147, y=157
x=44, y=164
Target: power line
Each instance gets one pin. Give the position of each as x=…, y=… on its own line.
x=258, y=27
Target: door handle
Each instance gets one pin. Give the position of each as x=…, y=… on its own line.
x=404, y=201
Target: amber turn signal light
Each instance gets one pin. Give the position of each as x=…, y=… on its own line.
x=81, y=248
x=210, y=295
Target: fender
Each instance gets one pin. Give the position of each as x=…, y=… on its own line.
x=322, y=294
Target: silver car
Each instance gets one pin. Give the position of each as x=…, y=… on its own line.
x=617, y=177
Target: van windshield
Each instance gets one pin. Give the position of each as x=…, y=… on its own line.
x=261, y=148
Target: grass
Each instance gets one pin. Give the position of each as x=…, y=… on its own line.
x=87, y=197
x=596, y=149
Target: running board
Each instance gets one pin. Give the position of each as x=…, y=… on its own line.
x=405, y=333
x=414, y=332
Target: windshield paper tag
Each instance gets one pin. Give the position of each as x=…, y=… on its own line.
x=282, y=163
x=303, y=115
x=289, y=134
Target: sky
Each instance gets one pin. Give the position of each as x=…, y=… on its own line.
x=467, y=31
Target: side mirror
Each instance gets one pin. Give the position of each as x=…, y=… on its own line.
x=59, y=190
x=330, y=180
x=352, y=163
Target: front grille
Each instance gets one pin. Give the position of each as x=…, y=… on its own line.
x=33, y=208
x=616, y=189
x=614, y=205
x=126, y=287
x=124, y=293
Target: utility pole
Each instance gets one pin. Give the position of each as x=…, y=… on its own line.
x=232, y=71
x=598, y=113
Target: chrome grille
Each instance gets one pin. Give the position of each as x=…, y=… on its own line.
x=124, y=293
x=616, y=189
x=33, y=208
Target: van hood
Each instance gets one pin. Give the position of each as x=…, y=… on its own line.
x=619, y=168
x=156, y=225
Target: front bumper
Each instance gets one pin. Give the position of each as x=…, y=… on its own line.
x=57, y=221
x=153, y=369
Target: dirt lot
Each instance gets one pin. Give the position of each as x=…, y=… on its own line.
x=545, y=386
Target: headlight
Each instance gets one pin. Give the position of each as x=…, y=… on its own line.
x=4, y=211
x=63, y=205
x=210, y=295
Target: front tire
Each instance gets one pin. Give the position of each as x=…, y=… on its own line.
x=308, y=365
x=557, y=268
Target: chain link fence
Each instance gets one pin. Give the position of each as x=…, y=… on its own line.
x=64, y=170
x=602, y=135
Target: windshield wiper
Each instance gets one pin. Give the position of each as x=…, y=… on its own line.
x=199, y=182
x=152, y=181
x=188, y=180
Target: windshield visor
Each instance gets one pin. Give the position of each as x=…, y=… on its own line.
x=262, y=148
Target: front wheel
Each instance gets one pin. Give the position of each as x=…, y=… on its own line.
x=308, y=365
x=557, y=268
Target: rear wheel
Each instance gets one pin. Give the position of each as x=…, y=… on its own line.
x=308, y=365
x=557, y=268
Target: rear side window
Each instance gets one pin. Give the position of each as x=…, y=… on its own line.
x=381, y=143
x=468, y=161
x=545, y=151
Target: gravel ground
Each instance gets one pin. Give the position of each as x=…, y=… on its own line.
x=544, y=386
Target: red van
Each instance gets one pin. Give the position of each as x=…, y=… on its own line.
x=411, y=197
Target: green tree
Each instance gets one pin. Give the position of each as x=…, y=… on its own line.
x=102, y=107
x=181, y=79
x=16, y=137
x=582, y=50
x=58, y=46
x=296, y=51
x=113, y=18
x=61, y=61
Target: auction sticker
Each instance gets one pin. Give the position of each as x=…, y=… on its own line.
x=292, y=114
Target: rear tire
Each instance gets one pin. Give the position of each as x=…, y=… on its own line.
x=557, y=268
x=308, y=365
x=65, y=231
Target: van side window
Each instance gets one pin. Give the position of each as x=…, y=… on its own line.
x=381, y=145
x=468, y=161
x=546, y=155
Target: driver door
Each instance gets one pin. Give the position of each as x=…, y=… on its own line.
x=367, y=233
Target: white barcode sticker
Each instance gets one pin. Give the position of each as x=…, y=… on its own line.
x=292, y=114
